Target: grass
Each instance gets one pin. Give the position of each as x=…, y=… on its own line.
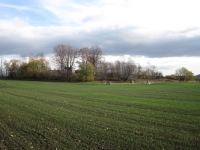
x=47, y=115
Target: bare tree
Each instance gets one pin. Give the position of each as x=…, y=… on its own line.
x=139, y=71
x=64, y=57
x=118, y=69
x=150, y=71
x=128, y=68
x=102, y=70
x=111, y=71
x=83, y=53
x=180, y=74
x=125, y=68
x=71, y=55
x=60, y=56
x=95, y=55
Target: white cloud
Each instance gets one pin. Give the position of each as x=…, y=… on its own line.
x=15, y=7
x=17, y=28
x=152, y=16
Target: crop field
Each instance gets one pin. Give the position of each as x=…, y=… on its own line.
x=53, y=115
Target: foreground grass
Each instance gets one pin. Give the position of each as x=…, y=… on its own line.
x=43, y=115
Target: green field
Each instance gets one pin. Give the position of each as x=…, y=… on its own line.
x=50, y=115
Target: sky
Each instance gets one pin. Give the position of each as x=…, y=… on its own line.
x=164, y=33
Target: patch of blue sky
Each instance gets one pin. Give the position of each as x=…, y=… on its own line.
x=32, y=14
x=42, y=20
x=4, y=13
x=17, y=2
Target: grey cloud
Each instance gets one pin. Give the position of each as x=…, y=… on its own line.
x=113, y=42
x=115, y=45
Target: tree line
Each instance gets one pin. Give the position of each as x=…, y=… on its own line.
x=91, y=66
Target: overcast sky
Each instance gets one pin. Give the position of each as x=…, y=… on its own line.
x=164, y=33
